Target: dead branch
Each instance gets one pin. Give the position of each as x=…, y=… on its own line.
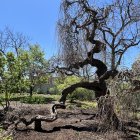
x=39, y=118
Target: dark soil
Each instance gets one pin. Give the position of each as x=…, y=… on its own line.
x=72, y=124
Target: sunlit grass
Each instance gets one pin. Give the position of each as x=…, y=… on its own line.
x=8, y=137
x=86, y=104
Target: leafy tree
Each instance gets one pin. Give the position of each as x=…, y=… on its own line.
x=36, y=67
x=64, y=83
x=8, y=75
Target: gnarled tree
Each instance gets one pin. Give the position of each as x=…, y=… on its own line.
x=85, y=30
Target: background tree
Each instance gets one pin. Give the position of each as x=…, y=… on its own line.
x=9, y=76
x=12, y=41
x=36, y=67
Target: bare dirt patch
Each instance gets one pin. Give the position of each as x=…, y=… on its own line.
x=72, y=124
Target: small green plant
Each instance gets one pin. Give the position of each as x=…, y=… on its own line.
x=138, y=136
x=87, y=105
x=34, y=100
x=8, y=137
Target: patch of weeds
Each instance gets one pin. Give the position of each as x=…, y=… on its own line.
x=77, y=133
x=82, y=104
x=71, y=107
x=138, y=136
x=55, y=97
x=88, y=105
x=9, y=137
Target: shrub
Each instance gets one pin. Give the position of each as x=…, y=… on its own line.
x=53, y=90
x=82, y=94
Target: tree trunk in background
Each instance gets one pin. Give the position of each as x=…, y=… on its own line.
x=31, y=91
x=113, y=60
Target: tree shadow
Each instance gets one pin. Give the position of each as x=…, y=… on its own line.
x=58, y=128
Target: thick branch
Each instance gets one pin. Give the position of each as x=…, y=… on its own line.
x=40, y=118
x=88, y=85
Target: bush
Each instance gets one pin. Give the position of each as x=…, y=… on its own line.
x=53, y=90
x=82, y=94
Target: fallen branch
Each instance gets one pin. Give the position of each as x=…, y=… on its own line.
x=39, y=118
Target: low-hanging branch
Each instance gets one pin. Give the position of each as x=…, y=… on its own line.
x=39, y=118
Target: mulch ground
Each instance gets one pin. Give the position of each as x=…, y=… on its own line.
x=72, y=124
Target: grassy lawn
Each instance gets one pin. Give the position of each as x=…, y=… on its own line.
x=35, y=99
x=47, y=98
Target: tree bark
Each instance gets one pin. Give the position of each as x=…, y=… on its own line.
x=113, y=59
x=107, y=114
x=31, y=91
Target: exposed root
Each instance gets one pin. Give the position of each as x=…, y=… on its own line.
x=39, y=118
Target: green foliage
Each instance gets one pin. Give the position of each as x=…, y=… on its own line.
x=66, y=82
x=34, y=100
x=78, y=94
x=19, y=72
x=36, y=67
x=8, y=137
x=53, y=90
x=82, y=104
x=82, y=94
x=88, y=105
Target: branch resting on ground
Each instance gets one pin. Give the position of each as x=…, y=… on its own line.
x=40, y=118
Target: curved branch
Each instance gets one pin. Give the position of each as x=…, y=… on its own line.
x=37, y=119
x=88, y=85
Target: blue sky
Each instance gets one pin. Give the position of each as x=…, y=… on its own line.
x=34, y=18
x=37, y=20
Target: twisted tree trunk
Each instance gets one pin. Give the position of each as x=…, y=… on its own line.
x=105, y=106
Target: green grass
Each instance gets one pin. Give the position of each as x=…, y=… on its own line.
x=82, y=104
x=8, y=137
x=87, y=105
x=12, y=97
x=55, y=97
x=35, y=99
x=44, y=99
